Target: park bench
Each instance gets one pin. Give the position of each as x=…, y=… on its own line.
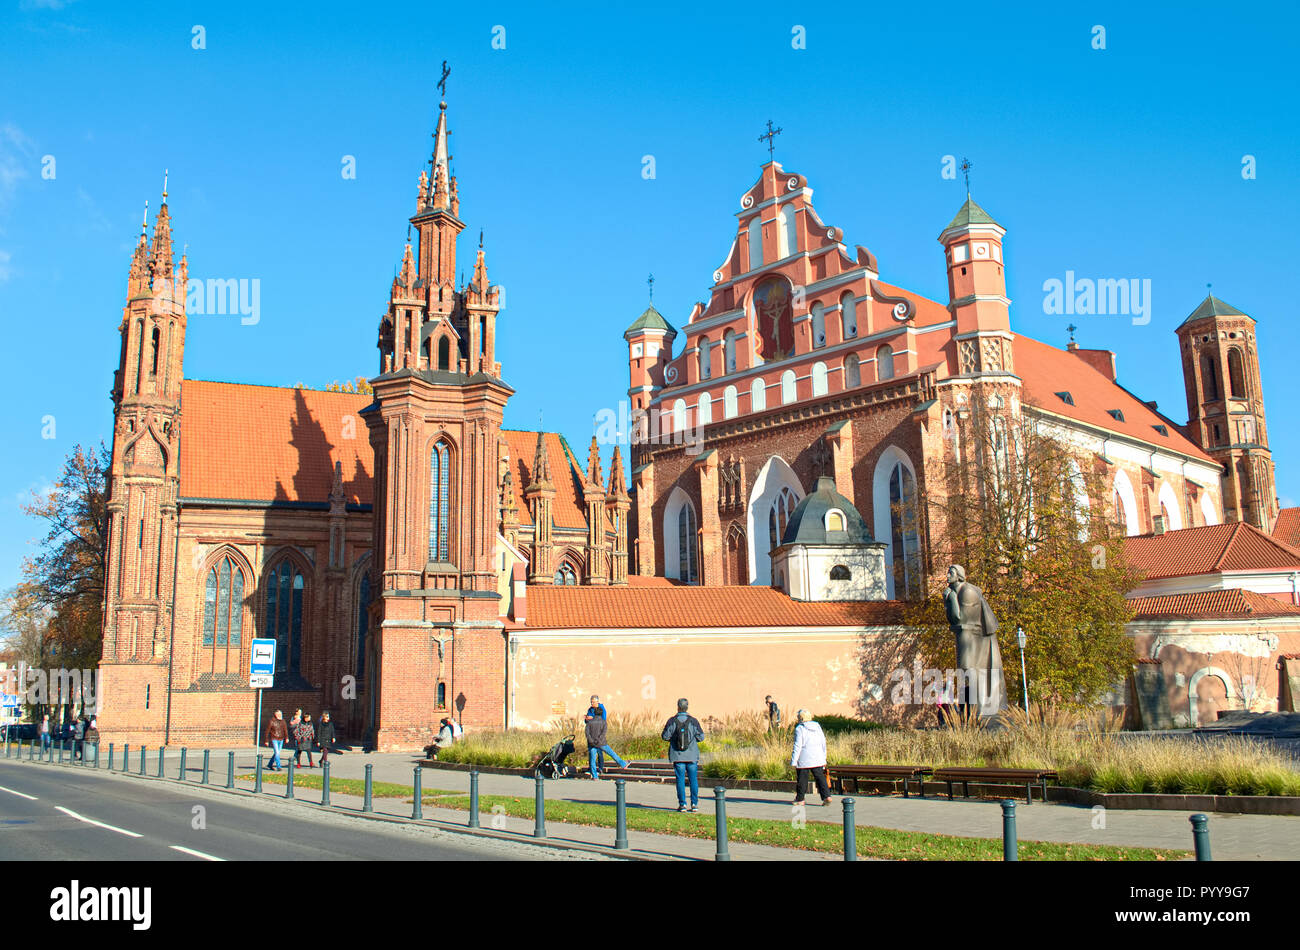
x=841, y=775
x=1027, y=777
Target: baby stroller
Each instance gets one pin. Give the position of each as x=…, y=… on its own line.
x=551, y=764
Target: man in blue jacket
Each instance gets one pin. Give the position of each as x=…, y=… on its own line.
x=683, y=733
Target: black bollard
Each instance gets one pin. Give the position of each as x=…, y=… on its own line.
x=257, y=780
x=204, y=780
x=161, y=750
x=325, y=783
x=96, y=747
x=473, y=798
x=110, y=756
x=620, y=814
x=288, y=781
x=368, y=805
x=850, y=831
x=1010, y=848
x=181, y=773
x=417, y=811
x=539, y=806
x=722, y=854
x=1201, y=836
x=230, y=770
x=142, y=752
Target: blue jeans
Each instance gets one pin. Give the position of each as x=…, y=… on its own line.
x=684, y=769
x=276, y=746
x=45, y=740
x=597, y=754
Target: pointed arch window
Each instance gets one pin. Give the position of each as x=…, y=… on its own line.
x=444, y=353
x=363, y=622
x=1236, y=374
x=223, y=605
x=1210, y=377
x=778, y=516
x=155, y=341
x=687, y=566
x=440, y=502
x=904, y=537
x=849, y=315
x=566, y=576
x=285, y=593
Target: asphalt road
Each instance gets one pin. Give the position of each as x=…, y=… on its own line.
x=48, y=813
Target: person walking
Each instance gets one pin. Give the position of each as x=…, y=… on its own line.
x=303, y=737
x=92, y=737
x=809, y=758
x=325, y=737
x=773, y=714
x=45, y=733
x=79, y=737
x=683, y=733
x=598, y=745
x=277, y=731
x=293, y=734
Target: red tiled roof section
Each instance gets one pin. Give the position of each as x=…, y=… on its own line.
x=657, y=607
x=1287, y=529
x=1209, y=549
x=1234, y=602
x=568, y=509
x=269, y=443
x=1044, y=371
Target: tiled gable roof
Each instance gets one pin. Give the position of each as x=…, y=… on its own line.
x=1044, y=371
x=1234, y=602
x=1209, y=549
x=269, y=443
x=568, y=509
x=646, y=607
x=1287, y=529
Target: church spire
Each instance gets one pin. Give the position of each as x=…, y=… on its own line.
x=160, y=261
x=617, y=487
x=593, y=463
x=541, y=464
x=440, y=197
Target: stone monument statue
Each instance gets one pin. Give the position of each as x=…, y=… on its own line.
x=979, y=661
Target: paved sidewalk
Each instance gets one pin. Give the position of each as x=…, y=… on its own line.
x=1243, y=837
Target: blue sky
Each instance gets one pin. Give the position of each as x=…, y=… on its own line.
x=1117, y=163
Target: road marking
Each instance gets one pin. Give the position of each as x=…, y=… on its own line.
x=197, y=854
x=98, y=824
x=30, y=798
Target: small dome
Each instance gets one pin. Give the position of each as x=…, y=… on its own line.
x=814, y=519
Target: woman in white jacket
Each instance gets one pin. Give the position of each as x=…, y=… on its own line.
x=809, y=757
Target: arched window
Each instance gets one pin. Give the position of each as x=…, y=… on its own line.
x=756, y=242
x=819, y=384
x=363, y=623
x=849, y=315
x=704, y=414
x=706, y=365
x=729, y=409
x=835, y=520
x=440, y=695
x=440, y=502
x=729, y=350
x=153, y=367
x=885, y=362
x=758, y=396
x=444, y=353
x=679, y=415
x=787, y=241
x=565, y=576
x=852, y=371
x=818, y=325
x=787, y=387
x=903, y=533
x=778, y=516
x=840, y=573
x=1236, y=374
x=1210, y=377
x=687, y=568
x=223, y=605
x=285, y=590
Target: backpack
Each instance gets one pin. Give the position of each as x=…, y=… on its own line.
x=682, y=737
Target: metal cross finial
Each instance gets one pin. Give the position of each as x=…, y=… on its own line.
x=408, y=233
x=164, y=184
x=770, y=134
x=442, y=83
x=966, y=166
x=650, y=282
x=1071, y=328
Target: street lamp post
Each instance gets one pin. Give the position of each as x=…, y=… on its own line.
x=1024, y=681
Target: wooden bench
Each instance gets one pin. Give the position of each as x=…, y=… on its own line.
x=1029, y=777
x=839, y=776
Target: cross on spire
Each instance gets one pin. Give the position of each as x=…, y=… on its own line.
x=1071, y=328
x=442, y=83
x=650, y=282
x=966, y=166
x=770, y=134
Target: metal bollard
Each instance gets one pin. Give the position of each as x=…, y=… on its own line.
x=96, y=747
x=539, y=807
x=161, y=750
x=473, y=798
x=257, y=780
x=6, y=743
x=720, y=794
x=288, y=781
x=620, y=814
x=142, y=752
x=181, y=774
x=1010, y=848
x=230, y=770
x=204, y=780
x=126, y=756
x=1201, y=836
x=850, y=831
x=325, y=784
x=110, y=755
x=417, y=811
x=63, y=745
x=367, y=804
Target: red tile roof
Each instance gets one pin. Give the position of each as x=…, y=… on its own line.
x=1287, y=529
x=1234, y=602
x=1209, y=549
x=270, y=443
x=657, y=607
x=567, y=510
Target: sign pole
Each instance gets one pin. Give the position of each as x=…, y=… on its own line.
x=257, y=726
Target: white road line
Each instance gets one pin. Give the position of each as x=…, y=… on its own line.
x=98, y=824
x=197, y=854
x=30, y=798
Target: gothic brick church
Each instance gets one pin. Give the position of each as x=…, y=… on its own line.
x=413, y=559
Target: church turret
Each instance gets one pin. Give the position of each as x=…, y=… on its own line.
x=617, y=504
x=482, y=304
x=540, y=493
x=977, y=290
x=593, y=495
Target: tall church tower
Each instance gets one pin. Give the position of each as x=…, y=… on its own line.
x=143, y=483
x=1225, y=408
x=435, y=430
x=977, y=291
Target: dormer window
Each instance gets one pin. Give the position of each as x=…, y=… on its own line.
x=1116, y=414
x=1066, y=398
x=1162, y=429
x=835, y=520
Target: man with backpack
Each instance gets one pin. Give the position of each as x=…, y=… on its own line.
x=683, y=734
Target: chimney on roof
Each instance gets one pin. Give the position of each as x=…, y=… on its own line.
x=1158, y=524
x=1103, y=361
x=1072, y=346
x=1152, y=404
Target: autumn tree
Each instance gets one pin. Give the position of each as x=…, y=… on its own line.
x=1028, y=516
